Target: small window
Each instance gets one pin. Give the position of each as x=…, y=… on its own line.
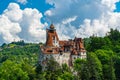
x=74, y=57
x=61, y=53
x=50, y=51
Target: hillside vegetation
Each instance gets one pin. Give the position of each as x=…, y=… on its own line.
x=19, y=61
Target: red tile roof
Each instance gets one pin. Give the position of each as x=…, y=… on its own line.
x=74, y=46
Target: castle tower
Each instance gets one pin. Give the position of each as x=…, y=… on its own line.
x=63, y=51
x=52, y=39
x=79, y=44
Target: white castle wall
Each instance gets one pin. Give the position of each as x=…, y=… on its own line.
x=61, y=58
x=82, y=55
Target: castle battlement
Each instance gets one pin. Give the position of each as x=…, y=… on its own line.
x=62, y=51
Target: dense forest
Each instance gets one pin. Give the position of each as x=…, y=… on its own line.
x=19, y=61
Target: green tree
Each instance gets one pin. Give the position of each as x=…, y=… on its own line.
x=29, y=69
x=66, y=76
x=12, y=71
x=65, y=68
x=95, y=67
x=114, y=35
x=106, y=58
x=53, y=70
x=81, y=67
x=117, y=67
x=96, y=43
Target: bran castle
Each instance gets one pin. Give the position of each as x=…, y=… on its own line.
x=65, y=51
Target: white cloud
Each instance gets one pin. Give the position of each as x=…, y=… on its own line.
x=22, y=1
x=81, y=8
x=31, y=23
x=69, y=20
x=48, y=13
x=93, y=17
x=17, y=24
x=13, y=12
x=81, y=18
x=96, y=27
x=8, y=29
x=109, y=4
x=65, y=30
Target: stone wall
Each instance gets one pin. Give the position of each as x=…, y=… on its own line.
x=61, y=58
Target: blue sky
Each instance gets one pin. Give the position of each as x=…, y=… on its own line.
x=117, y=7
x=41, y=5
x=38, y=4
x=28, y=19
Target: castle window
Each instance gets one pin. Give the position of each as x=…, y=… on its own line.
x=61, y=53
x=50, y=51
x=83, y=53
x=53, y=39
x=74, y=57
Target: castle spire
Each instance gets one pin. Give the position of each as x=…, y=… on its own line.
x=52, y=26
x=52, y=37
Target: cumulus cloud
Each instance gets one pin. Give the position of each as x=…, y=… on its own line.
x=65, y=29
x=8, y=29
x=48, y=13
x=13, y=12
x=81, y=8
x=32, y=29
x=17, y=24
x=69, y=20
x=22, y=1
x=81, y=18
x=93, y=17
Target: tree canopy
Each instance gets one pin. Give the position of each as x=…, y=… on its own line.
x=19, y=61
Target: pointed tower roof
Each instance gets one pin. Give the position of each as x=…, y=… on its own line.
x=52, y=26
